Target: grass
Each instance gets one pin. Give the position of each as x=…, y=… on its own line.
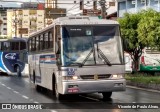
x=143, y=78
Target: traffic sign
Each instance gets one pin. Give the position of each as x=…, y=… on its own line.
x=23, y=30
x=111, y=3
x=55, y=12
x=91, y=12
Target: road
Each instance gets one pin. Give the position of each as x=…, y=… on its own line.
x=20, y=90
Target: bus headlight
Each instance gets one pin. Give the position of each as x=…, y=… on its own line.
x=70, y=77
x=117, y=76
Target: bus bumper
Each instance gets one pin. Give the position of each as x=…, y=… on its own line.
x=76, y=87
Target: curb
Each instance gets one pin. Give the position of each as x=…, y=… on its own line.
x=144, y=89
x=151, y=87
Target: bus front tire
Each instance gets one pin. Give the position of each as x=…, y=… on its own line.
x=58, y=95
x=106, y=95
x=18, y=70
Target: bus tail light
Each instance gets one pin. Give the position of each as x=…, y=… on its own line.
x=142, y=60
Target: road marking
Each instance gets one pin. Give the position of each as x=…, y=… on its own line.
x=26, y=80
x=36, y=102
x=149, y=90
x=16, y=92
x=89, y=98
x=3, y=85
x=25, y=97
x=53, y=111
x=8, y=88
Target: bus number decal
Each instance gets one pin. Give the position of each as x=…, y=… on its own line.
x=71, y=71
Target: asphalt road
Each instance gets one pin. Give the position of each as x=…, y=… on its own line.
x=20, y=90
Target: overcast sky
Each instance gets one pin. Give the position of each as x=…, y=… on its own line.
x=16, y=4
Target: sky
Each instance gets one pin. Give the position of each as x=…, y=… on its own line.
x=16, y=4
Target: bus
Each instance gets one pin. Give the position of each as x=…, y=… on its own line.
x=77, y=55
x=149, y=60
x=14, y=56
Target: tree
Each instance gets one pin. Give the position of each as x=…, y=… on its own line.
x=149, y=28
x=138, y=31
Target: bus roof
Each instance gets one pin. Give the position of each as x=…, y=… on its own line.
x=2, y=40
x=78, y=20
x=18, y=39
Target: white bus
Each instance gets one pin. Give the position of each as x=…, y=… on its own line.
x=149, y=60
x=78, y=55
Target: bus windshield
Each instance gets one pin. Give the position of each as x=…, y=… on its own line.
x=91, y=45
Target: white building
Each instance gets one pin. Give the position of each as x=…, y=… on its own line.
x=30, y=20
x=133, y=6
x=3, y=22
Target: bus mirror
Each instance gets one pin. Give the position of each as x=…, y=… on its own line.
x=56, y=48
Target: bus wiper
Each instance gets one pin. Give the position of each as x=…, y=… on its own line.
x=87, y=56
x=76, y=63
x=103, y=56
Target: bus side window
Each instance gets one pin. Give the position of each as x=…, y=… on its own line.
x=41, y=42
x=50, y=43
x=14, y=46
x=33, y=44
x=37, y=43
x=6, y=46
x=30, y=44
x=46, y=38
x=22, y=45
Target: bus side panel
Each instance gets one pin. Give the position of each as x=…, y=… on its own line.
x=2, y=67
x=31, y=67
x=9, y=60
x=45, y=67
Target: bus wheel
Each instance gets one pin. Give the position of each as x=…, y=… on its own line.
x=58, y=95
x=18, y=70
x=106, y=95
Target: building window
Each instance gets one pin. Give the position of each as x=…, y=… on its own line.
x=39, y=15
x=4, y=18
x=39, y=21
x=25, y=22
x=4, y=28
x=3, y=15
x=4, y=23
x=25, y=15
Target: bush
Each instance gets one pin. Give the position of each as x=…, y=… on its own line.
x=143, y=78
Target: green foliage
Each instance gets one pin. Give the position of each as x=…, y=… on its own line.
x=140, y=78
x=140, y=30
x=129, y=25
x=149, y=28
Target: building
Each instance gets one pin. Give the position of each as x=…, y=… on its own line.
x=23, y=22
x=133, y=6
x=32, y=5
x=3, y=21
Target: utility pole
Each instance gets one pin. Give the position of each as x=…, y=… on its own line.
x=103, y=8
x=15, y=22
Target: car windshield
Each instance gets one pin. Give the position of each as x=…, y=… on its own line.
x=90, y=45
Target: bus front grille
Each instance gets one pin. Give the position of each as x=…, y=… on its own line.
x=95, y=77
